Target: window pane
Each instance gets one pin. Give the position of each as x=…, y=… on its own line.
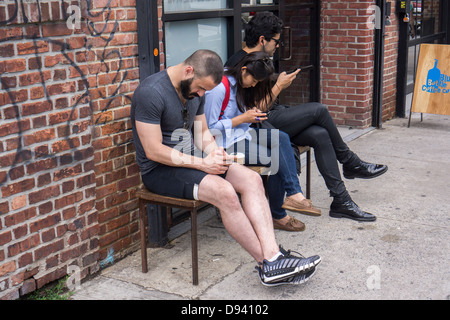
x=256, y=2
x=188, y=5
x=185, y=37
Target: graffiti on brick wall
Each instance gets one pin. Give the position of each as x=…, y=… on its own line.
x=107, y=37
x=98, y=35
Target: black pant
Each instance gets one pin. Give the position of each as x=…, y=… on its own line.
x=311, y=125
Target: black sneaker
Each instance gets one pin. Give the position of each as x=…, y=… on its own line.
x=287, y=265
x=298, y=278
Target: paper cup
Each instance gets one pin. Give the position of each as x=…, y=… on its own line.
x=240, y=157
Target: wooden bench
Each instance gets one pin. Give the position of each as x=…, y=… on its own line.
x=146, y=197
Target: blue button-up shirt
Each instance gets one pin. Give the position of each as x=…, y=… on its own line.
x=222, y=129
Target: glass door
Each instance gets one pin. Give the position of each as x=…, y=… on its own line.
x=301, y=41
x=218, y=25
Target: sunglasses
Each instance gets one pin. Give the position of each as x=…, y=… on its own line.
x=277, y=42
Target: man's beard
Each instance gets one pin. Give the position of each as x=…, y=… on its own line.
x=185, y=88
x=270, y=54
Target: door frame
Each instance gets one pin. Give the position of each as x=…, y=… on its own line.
x=148, y=38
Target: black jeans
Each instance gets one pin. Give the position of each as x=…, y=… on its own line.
x=310, y=124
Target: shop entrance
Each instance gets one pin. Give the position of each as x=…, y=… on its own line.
x=424, y=21
x=218, y=25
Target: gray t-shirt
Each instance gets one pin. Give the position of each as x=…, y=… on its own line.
x=156, y=101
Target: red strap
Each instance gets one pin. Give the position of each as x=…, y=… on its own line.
x=226, y=83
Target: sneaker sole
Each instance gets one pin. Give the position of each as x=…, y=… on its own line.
x=301, y=269
x=290, y=280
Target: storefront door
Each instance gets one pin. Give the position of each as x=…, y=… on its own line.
x=218, y=25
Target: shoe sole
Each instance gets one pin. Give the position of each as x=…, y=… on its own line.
x=281, y=282
x=334, y=214
x=346, y=176
x=304, y=268
x=290, y=230
x=303, y=211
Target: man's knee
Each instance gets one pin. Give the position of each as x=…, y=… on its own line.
x=226, y=193
x=321, y=108
x=253, y=181
x=214, y=189
x=316, y=136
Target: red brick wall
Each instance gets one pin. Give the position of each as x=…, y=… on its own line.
x=67, y=168
x=390, y=67
x=347, y=61
x=114, y=75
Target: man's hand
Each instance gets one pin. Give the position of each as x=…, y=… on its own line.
x=217, y=162
x=284, y=80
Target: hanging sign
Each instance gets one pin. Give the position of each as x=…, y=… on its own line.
x=432, y=83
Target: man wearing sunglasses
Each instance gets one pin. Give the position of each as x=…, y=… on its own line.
x=164, y=108
x=309, y=124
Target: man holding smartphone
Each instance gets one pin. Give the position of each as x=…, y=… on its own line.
x=165, y=105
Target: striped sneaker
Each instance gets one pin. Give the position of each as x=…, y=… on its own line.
x=298, y=278
x=287, y=265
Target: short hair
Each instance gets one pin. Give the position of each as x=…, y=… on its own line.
x=206, y=63
x=262, y=24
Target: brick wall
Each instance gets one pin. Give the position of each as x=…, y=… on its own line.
x=390, y=67
x=114, y=75
x=347, y=61
x=67, y=169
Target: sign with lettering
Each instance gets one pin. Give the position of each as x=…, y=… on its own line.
x=432, y=84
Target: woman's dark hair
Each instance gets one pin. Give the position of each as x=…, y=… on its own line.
x=260, y=66
x=262, y=24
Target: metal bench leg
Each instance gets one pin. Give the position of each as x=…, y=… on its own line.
x=194, y=246
x=142, y=213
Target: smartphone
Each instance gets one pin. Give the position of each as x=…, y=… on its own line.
x=293, y=70
x=306, y=68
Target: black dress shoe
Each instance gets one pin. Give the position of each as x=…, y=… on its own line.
x=364, y=170
x=349, y=209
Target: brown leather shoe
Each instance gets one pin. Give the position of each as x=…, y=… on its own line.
x=291, y=225
x=305, y=206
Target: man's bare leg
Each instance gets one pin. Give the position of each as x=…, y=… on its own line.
x=249, y=185
x=251, y=226
x=221, y=193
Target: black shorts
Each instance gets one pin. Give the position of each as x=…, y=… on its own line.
x=174, y=181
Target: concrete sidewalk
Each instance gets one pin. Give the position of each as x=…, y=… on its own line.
x=403, y=255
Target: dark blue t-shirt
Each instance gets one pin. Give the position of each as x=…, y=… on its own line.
x=156, y=101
